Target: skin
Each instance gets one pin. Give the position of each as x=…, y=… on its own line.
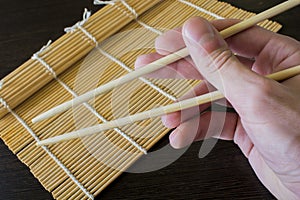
x=266, y=123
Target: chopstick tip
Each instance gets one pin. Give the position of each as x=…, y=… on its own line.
x=38, y=144
x=36, y=119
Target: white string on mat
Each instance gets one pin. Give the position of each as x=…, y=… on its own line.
x=113, y=2
x=158, y=32
x=37, y=57
x=124, y=66
x=1, y=84
x=79, y=25
x=201, y=9
x=2, y=102
x=47, y=150
x=131, y=9
x=66, y=87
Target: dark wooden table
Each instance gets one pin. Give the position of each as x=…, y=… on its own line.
x=224, y=174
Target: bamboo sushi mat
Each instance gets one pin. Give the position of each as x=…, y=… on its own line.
x=82, y=168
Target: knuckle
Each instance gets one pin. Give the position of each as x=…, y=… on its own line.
x=221, y=58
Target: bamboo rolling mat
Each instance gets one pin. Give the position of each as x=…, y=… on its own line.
x=70, y=66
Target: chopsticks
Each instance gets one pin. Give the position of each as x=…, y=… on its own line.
x=164, y=61
x=209, y=97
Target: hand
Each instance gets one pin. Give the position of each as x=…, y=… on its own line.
x=266, y=126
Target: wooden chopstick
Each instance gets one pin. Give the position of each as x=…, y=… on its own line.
x=209, y=97
x=164, y=61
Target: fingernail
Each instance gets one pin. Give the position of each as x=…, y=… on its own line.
x=175, y=141
x=199, y=34
x=201, y=37
x=164, y=121
x=172, y=137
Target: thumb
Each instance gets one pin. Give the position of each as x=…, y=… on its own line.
x=215, y=61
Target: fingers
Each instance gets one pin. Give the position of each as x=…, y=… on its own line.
x=242, y=139
x=185, y=133
x=210, y=124
x=279, y=53
x=216, y=62
x=272, y=52
x=255, y=42
x=173, y=120
x=171, y=41
x=245, y=43
x=245, y=61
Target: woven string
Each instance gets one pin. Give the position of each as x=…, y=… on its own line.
x=37, y=57
x=112, y=2
x=132, y=11
x=58, y=162
x=1, y=84
x=79, y=25
x=158, y=32
x=130, y=8
x=201, y=9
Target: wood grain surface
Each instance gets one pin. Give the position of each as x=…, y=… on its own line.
x=224, y=174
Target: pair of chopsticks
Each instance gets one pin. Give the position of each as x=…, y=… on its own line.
x=181, y=105
x=153, y=67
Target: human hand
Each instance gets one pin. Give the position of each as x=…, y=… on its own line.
x=266, y=126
